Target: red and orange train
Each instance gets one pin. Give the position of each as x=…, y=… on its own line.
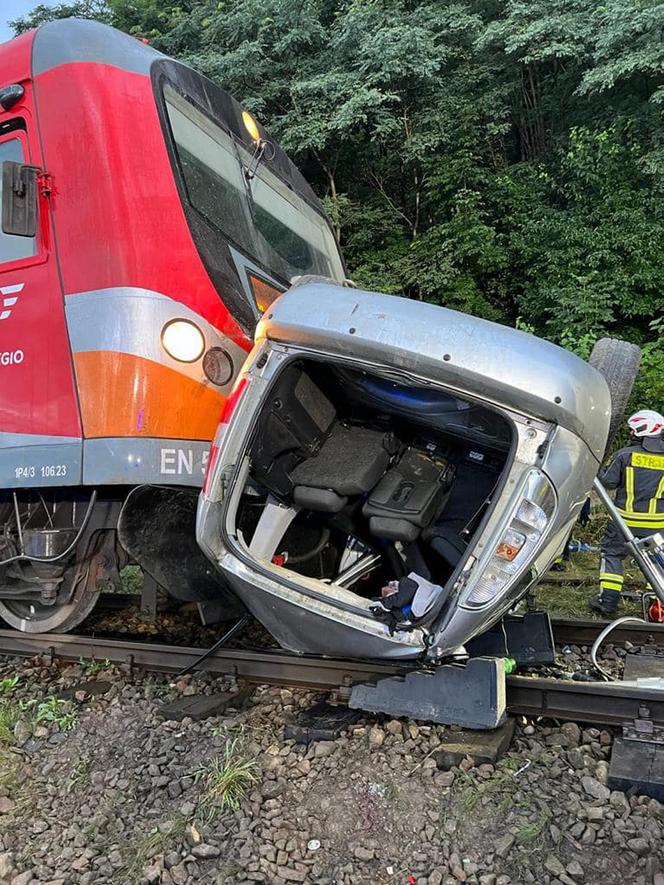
x=147, y=221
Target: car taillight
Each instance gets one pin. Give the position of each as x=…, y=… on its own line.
x=230, y=405
x=524, y=529
x=233, y=399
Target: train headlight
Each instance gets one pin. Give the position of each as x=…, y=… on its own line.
x=183, y=340
x=523, y=531
x=251, y=126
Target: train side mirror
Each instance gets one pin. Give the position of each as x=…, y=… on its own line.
x=19, y=199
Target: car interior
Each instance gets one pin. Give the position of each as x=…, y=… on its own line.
x=358, y=479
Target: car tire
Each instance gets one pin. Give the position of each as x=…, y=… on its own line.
x=618, y=361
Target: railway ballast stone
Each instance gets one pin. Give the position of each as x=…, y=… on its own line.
x=96, y=803
x=571, y=734
x=376, y=737
x=595, y=789
x=6, y=864
x=23, y=879
x=575, y=870
x=504, y=845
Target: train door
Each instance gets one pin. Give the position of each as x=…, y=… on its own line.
x=40, y=432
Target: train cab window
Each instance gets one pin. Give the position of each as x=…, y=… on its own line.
x=13, y=248
x=289, y=228
x=264, y=218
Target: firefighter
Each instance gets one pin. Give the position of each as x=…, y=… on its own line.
x=637, y=474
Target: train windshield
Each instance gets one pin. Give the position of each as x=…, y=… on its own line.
x=263, y=217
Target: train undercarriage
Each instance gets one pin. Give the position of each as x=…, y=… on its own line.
x=61, y=548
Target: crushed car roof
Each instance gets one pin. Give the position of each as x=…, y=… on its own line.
x=494, y=362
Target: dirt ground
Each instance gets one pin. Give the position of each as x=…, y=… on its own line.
x=97, y=787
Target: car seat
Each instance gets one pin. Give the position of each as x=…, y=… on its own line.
x=349, y=463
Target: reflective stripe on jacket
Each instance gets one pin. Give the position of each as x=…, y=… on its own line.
x=637, y=474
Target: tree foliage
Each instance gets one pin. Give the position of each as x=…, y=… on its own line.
x=96, y=9
x=503, y=157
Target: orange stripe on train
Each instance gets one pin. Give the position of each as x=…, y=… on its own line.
x=126, y=395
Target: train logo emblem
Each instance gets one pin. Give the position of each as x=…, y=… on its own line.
x=9, y=299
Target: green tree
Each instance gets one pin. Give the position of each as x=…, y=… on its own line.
x=94, y=9
x=503, y=157
x=592, y=244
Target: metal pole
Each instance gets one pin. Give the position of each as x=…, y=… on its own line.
x=653, y=574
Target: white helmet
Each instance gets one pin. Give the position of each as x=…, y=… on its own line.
x=646, y=423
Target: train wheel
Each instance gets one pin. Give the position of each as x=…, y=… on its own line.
x=34, y=617
x=47, y=523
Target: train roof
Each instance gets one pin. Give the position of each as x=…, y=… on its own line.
x=75, y=41
x=69, y=40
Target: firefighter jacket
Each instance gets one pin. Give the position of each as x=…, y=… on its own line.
x=637, y=474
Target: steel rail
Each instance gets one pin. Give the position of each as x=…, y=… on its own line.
x=255, y=665
x=585, y=632
x=598, y=703
x=594, y=702
x=566, y=631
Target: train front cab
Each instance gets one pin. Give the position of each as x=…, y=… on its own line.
x=166, y=221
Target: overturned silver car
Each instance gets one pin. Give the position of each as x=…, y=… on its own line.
x=389, y=477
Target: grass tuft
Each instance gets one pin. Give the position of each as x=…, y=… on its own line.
x=225, y=781
x=93, y=666
x=58, y=711
x=80, y=775
x=533, y=832
x=142, y=847
x=10, y=713
x=8, y=685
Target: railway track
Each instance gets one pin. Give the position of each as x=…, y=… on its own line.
x=565, y=631
x=585, y=632
x=599, y=703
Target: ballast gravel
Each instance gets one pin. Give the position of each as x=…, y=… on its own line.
x=115, y=794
